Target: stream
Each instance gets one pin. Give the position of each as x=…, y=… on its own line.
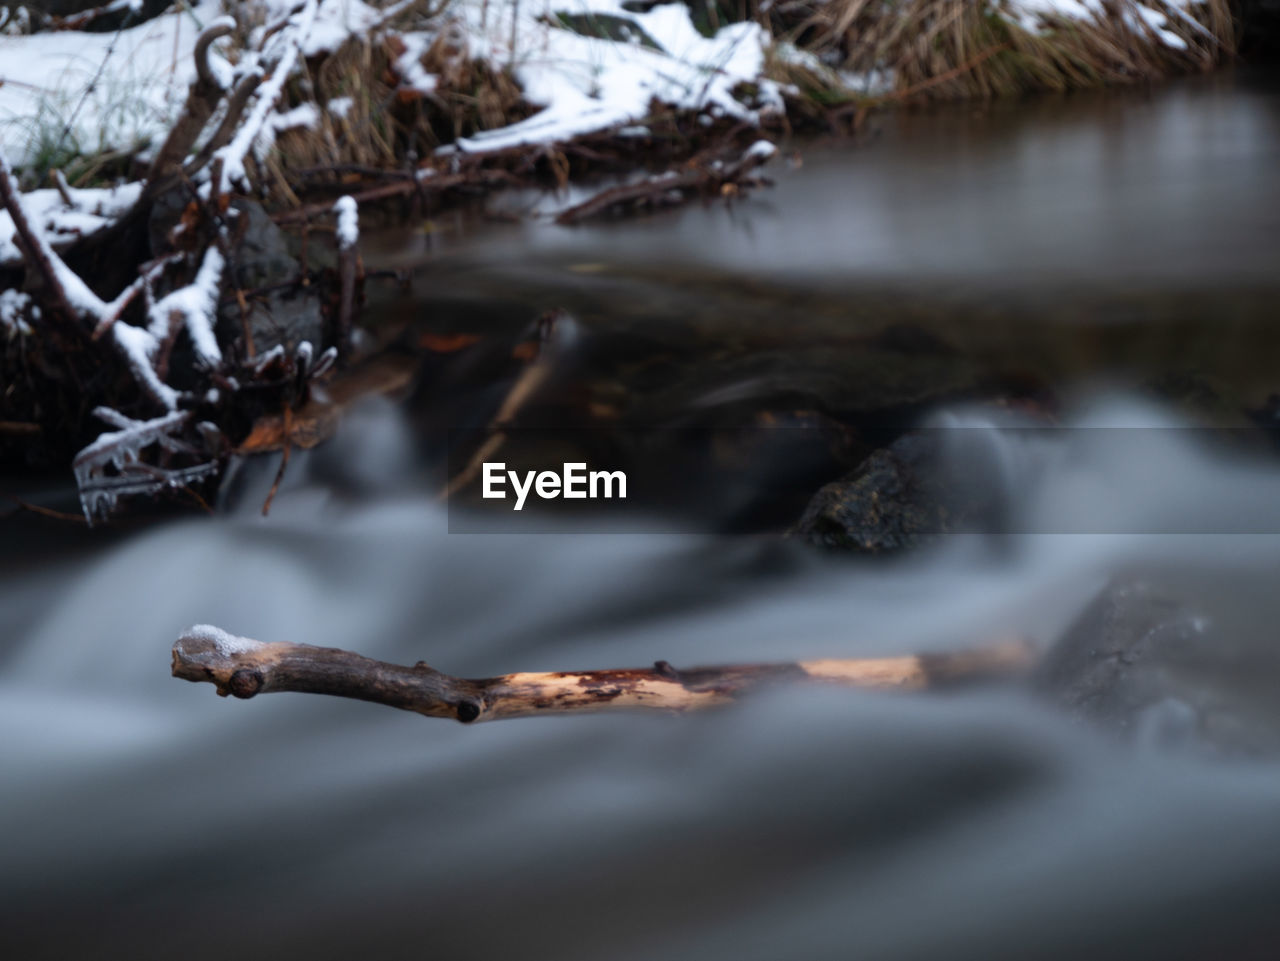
x=1074, y=251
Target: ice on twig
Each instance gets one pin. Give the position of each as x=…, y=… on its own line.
x=121, y=450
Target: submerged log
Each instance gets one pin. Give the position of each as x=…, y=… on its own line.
x=245, y=667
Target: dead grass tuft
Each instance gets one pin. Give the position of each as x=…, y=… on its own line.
x=961, y=49
x=368, y=116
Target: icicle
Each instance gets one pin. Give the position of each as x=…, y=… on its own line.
x=122, y=450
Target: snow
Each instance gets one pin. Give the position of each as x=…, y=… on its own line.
x=15, y=305
x=1030, y=12
x=292, y=38
x=761, y=150
x=1140, y=19
x=586, y=84
x=1159, y=23
x=348, y=228
x=137, y=433
x=583, y=84
x=335, y=22
x=45, y=81
x=228, y=645
x=93, y=210
x=196, y=307
x=409, y=67
x=304, y=115
x=139, y=348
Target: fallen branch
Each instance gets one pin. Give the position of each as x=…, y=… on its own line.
x=244, y=668
x=673, y=188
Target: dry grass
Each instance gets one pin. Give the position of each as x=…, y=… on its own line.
x=961, y=49
x=932, y=50
x=384, y=124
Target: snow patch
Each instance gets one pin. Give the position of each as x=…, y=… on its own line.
x=50, y=83
x=15, y=307
x=339, y=107
x=226, y=644
x=348, y=228
x=585, y=84
x=61, y=224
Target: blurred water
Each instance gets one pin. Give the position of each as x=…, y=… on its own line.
x=1172, y=186
x=144, y=817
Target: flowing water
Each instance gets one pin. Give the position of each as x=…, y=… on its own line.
x=143, y=817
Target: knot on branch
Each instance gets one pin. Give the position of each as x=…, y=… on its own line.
x=244, y=683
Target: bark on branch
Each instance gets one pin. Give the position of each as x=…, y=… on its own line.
x=203, y=96
x=245, y=667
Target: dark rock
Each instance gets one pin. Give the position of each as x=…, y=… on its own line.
x=895, y=499
x=1156, y=669
x=1108, y=666
x=280, y=309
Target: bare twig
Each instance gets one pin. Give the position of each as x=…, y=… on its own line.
x=17, y=427
x=63, y=188
x=245, y=667
x=284, y=461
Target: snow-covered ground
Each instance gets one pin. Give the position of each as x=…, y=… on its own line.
x=590, y=64
x=93, y=92
x=590, y=83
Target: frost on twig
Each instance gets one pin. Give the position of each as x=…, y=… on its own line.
x=112, y=466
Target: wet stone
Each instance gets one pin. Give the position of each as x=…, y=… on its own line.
x=898, y=498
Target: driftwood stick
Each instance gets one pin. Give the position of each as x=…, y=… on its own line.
x=244, y=667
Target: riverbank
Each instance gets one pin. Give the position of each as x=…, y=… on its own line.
x=197, y=305
x=421, y=84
